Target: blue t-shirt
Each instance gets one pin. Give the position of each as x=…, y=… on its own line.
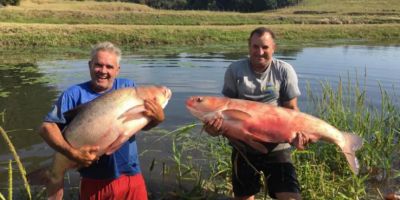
x=125, y=160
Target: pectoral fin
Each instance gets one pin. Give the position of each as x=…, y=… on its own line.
x=116, y=144
x=257, y=146
x=132, y=113
x=236, y=115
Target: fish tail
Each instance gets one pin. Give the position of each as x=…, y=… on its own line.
x=55, y=191
x=54, y=187
x=38, y=177
x=52, y=177
x=353, y=143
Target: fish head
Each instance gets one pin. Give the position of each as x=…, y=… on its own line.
x=201, y=106
x=161, y=94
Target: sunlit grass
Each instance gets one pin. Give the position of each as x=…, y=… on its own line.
x=50, y=35
x=21, y=168
x=61, y=5
x=56, y=23
x=308, y=12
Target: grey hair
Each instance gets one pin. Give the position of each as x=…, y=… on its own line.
x=106, y=46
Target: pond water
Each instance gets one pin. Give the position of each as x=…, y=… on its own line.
x=27, y=90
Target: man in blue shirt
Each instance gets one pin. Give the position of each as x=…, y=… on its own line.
x=114, y=176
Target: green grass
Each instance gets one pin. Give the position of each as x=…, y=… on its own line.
x=21, y=168
x=48, y=35
x=309, y=12
x=76, y=24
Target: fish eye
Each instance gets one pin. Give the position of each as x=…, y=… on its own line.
x=199, y=99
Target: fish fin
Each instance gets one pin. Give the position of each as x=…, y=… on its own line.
x=52, y=177
x=132, y=113
x=55, y=191
x=353, y=143
x=38, y=177
x=54, y=188
x=53, y=172
x=116, y=144
x=239, y=115
x=256, y=145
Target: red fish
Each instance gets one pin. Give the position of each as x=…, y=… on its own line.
x=254, y=122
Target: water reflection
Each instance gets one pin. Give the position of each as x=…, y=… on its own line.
x=28, y=97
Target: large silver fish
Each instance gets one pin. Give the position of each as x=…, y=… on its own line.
x=254, y=122
x=108, y=121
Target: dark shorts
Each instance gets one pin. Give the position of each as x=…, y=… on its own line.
x=280, y=176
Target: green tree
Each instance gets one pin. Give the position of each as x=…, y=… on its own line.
x=10, y=2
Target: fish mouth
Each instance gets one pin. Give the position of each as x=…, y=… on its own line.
x=195, y=112
x=168, y=93
x=191, y=101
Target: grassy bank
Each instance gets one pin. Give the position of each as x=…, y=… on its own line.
x=308, y=12
x=190, y=17
x=56, y=23
x=50, y=35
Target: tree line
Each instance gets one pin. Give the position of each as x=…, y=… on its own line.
x=220, y=5
x=9, y=2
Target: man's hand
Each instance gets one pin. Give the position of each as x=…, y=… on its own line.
x=85, y=155
x=214, y=126
x=155, y=112
x=301, y=140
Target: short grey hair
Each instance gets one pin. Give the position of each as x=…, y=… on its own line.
x=106, y=46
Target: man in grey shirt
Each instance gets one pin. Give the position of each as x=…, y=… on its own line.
x=262, y=78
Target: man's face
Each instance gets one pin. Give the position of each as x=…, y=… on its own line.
x=261, y=50
x=103, y=70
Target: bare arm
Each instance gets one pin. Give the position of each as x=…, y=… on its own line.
x=291, y=104
x=52, y=135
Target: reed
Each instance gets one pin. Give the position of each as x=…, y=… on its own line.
x=10, y=180
x=18, y=161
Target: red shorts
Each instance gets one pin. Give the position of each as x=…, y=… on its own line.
x=124, y=187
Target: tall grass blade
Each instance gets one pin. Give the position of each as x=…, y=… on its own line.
x=10, y=180
x=2, y=197
x=19, y=163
